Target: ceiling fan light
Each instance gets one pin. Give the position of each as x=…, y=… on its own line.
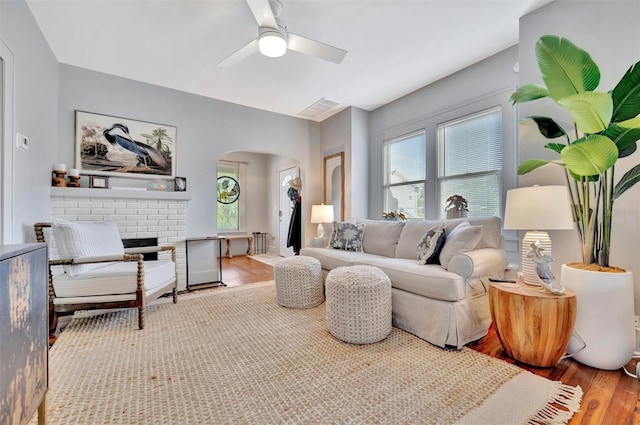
x=272, y=44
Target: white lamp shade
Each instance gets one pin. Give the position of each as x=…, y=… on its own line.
x=538, y=208
x=321, y=214
x=272, y=43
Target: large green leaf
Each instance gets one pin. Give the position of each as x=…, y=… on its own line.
x=626, y=95
x=547, y=127
x=528, y=93
x=591, y=111
x=531, y=164
x=566, y=69
x=628, y=151
x=627, y=181
x=556, y=147
x=631, y=123
x=595, y=155
x=624, y=138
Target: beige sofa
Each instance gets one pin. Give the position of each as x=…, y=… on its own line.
x=443, y=306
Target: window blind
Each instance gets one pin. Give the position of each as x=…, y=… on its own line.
x=470, y=161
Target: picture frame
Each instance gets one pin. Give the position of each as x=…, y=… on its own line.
x=180, y=184
x=99, y=182
x=122, y=147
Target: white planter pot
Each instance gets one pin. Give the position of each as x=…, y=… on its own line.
x=604, y=317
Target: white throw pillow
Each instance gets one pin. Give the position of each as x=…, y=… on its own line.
x=76, y=239
x=464, y=237
x=431, y=244
x=327, y=232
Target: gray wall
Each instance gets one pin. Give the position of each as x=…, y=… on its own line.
x=207, y=129
x=35, y=97
x=483, y=85
x=335, y=134
x=348, y=131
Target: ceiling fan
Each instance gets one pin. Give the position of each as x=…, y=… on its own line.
x=274, y=40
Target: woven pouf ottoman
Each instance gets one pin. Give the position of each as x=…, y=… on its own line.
x=358, y=304
x=299, y=282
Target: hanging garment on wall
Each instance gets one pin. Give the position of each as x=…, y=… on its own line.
x=295, y=227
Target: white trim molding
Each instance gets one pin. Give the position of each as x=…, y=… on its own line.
x=7, y=146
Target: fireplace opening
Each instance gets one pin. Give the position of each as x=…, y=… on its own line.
x=142, y=242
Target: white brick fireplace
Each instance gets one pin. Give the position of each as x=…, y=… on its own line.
x=138, y=214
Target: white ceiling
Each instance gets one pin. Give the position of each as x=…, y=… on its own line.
x=395, y=46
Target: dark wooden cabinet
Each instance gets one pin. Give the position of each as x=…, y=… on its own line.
x=24, y=333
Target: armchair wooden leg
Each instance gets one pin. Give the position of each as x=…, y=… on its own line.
x=175, y=295
x=53, y=319
x=141, y=317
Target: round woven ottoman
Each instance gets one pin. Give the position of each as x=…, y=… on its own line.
x=298, y=282
x=358, y=304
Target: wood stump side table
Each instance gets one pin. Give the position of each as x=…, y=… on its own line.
x=533, y=326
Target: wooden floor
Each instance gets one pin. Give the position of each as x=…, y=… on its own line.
x=610, y=397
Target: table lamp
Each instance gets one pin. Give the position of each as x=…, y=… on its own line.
x=537, y=209
x=321, y=214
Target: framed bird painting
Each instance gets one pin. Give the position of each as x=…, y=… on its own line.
x=123, y=147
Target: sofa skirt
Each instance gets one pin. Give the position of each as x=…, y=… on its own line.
x=440, y=322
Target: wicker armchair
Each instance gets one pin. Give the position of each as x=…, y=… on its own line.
x=117, y=284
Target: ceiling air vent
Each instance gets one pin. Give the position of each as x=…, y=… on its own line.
x=318, y=109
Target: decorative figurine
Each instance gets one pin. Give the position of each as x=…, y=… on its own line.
x=543, y=269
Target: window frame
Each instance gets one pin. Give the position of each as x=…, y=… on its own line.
x=241, y=204
x=387, y=185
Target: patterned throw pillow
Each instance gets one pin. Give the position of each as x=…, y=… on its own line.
x=428, y=251
x=347, y=236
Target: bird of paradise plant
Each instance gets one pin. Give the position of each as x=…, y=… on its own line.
x=606, y=128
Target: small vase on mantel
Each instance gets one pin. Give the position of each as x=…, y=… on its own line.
x=604, y=332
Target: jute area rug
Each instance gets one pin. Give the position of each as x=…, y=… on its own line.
x=233, y=356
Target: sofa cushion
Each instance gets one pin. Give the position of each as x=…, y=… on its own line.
x=76, y=240
x=332, y=258
x=347, y=236
x=428, y=251
x=429, y=280
x=411, y=235
x=462, y=238
x=381, y=237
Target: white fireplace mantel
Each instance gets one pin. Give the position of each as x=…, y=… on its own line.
x=82, y=192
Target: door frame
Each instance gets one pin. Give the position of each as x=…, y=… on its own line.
x=6, y=145
x=282, y=244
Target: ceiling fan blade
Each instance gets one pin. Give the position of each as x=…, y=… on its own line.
x=315, y=48
x=239, y=55
x=261, y=10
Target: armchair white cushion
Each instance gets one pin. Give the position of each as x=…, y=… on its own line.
x=77, y=240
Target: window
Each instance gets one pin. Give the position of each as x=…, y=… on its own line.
x=470, y=162
x=405, y=174
x=228, y=214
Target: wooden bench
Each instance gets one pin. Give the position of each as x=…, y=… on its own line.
x=230, y=238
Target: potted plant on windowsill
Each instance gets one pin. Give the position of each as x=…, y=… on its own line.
x=394, y=216
x=606, y=128
x=457, y=206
